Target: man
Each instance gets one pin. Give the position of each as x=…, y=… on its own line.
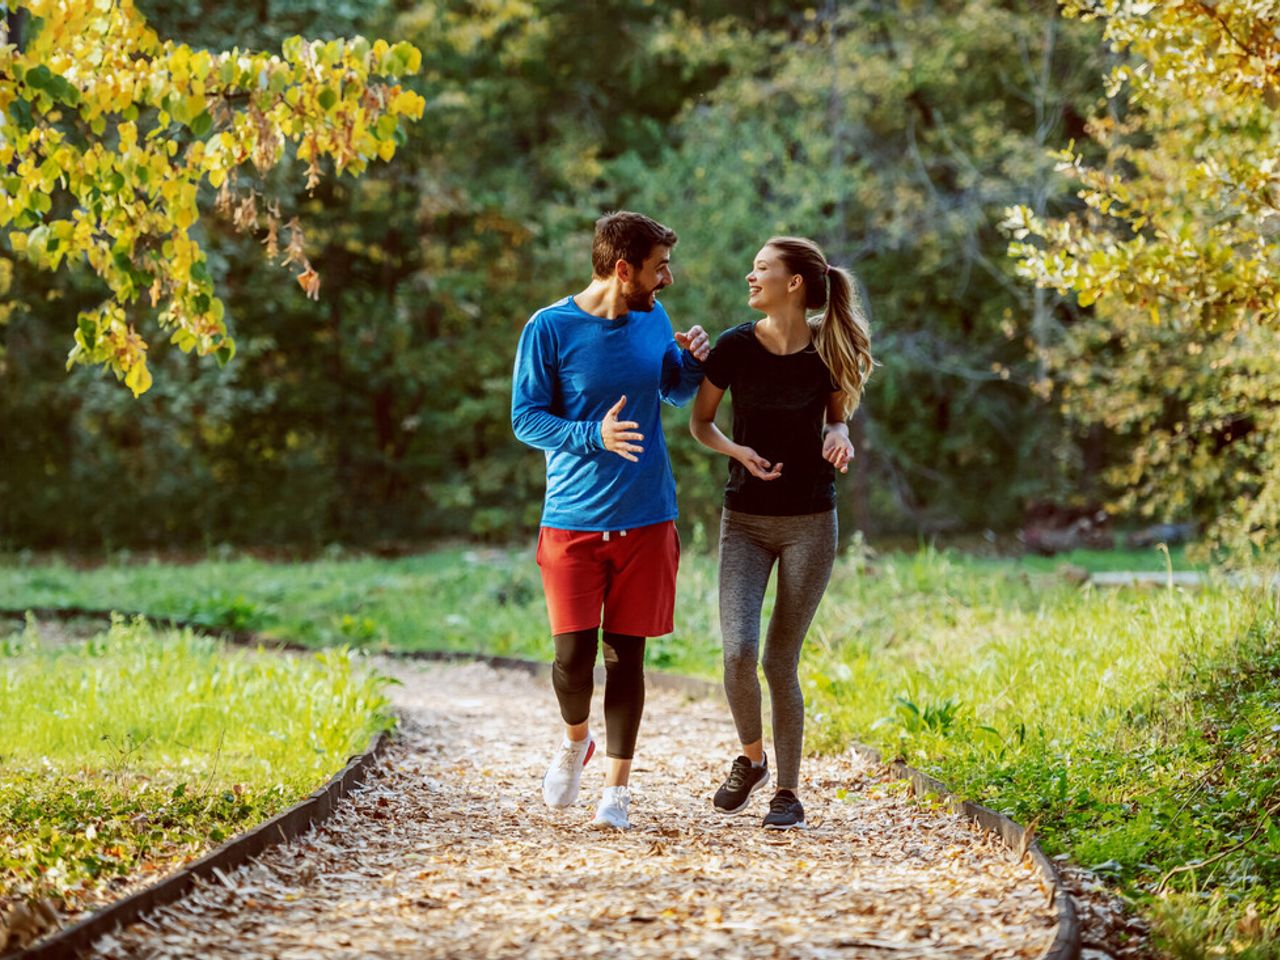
x=589, y=374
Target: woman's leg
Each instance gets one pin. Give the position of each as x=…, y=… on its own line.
x=745, y=566
x=623, y=702
x=804, y=567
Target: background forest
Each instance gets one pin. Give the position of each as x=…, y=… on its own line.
x=1063, y=213
x=895, y=134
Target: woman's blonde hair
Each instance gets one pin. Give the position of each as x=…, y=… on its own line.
x=842, y=334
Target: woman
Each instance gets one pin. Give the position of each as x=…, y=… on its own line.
x=795, y=380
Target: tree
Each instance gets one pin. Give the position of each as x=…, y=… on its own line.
x=110, y=134
x=1174, y=253
x=896, y=135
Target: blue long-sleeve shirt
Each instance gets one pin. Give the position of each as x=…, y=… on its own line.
x=571, y=367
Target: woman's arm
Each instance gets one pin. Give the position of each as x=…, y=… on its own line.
x=702, y=424
x=837, y=449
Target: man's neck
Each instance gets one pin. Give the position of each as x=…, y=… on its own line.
x=603, y=298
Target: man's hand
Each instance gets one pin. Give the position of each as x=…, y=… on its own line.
x=618, y=434
x=837, y=449
x=696, y=341
x=758, y=466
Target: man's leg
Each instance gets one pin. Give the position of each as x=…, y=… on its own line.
x=639, y=602
x=572, y=679
x=573, y=578
x=623, y=702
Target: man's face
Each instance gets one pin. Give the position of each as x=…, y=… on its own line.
x=642, y=284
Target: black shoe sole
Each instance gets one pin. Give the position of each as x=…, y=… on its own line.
x=746, y=800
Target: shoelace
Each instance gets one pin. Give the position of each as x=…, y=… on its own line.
x=568, y=758
x=780, y=804
x=737, y=775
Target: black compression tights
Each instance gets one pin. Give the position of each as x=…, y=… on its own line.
x=571, y=675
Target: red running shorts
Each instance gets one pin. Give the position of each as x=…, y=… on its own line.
x=629, y=574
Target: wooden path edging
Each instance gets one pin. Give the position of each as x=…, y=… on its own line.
x=283, y=827
x=1066, y=944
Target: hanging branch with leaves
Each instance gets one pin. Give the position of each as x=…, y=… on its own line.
x=107, y=134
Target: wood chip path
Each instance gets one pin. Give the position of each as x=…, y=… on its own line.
x=449, y=852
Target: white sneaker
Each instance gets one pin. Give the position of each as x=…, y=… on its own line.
x=560, y=784
x=612, y=810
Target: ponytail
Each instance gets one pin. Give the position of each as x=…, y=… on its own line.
x=842, y=333
x=842, y=337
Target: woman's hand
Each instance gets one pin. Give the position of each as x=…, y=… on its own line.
x=837, y=450
x=756, y=465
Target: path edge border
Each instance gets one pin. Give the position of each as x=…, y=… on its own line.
x=290, y=824
x=69, y=942
x=1066, y=943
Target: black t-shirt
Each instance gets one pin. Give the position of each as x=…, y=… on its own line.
x=779, y=411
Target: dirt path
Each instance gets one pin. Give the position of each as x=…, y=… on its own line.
x=448, y=852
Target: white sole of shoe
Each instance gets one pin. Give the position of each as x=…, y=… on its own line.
x=787, y=826
x=742, y=806
x=608, y=825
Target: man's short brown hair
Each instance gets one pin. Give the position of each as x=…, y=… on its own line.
x=623, y=235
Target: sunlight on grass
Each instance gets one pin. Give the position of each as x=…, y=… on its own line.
x=134, y=748
x=1095, y=712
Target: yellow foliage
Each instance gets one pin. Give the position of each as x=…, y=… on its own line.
x=1178, y=350
x=96, y=67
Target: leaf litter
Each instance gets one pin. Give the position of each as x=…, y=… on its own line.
x=448, y=851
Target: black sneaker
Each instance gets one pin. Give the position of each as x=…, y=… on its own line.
x=743, y=780
x=785, y=812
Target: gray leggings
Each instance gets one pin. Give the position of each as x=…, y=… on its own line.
x=804, y=548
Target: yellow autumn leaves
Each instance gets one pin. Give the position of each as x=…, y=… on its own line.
x=109, y=134
x=1174, y=263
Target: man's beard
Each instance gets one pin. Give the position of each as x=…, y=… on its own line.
x=641, y=300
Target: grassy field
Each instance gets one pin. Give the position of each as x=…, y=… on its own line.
x=128, y=751
x=1137, y=728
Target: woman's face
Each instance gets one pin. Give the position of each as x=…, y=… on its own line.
x=769, y=284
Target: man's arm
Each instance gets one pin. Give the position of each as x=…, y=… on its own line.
x=533, y=400
x=682, y=366
x=533, y=392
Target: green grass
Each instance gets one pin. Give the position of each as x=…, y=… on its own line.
x=131, y=750
x=1136, y=727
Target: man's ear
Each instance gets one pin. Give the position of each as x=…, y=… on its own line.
x=623, y=270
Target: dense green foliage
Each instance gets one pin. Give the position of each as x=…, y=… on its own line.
x=129, y=751
x=1138, y=728
x=380, y=413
